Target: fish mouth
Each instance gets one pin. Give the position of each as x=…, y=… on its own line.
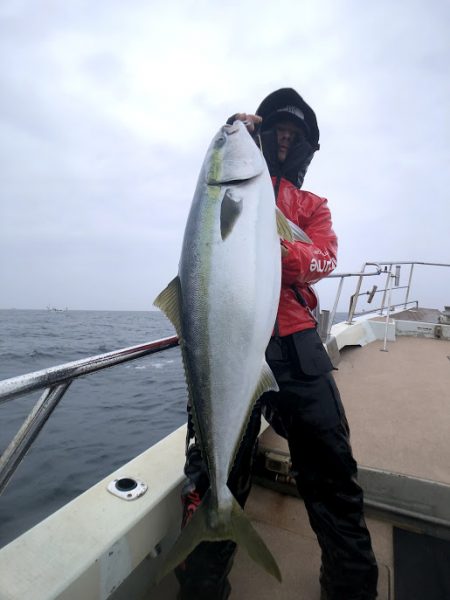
x=226, y=131
x=233, y=128
x=231, y=180
x=234, y=158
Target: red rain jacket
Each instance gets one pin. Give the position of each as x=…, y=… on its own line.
x=305, y=263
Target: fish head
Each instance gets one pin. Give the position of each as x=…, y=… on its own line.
x=233, y=156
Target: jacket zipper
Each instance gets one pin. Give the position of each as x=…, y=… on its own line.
x=276, y=190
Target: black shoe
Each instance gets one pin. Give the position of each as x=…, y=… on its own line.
x=205, y=592
x=325, y=596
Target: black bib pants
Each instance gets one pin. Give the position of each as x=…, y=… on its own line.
x=307, y=411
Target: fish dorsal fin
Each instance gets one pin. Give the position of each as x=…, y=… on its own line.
x=169, y=301
x=266, y=383
x=287, y=230
x=230, y=210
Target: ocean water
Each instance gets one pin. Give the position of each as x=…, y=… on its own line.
x=103, y=420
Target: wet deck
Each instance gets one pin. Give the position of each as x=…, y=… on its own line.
x=283, y=524
x=397, y=404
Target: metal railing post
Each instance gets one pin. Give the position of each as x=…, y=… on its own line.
x=409, y=283
x=333, y=312
x=55, y=382
x=354, y=303
x=388, y=280
x=19, y=446
x=388, y=314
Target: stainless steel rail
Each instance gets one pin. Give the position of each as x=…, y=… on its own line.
x=55, y=381
x=326, y=319
x=24, y=384
x=342, y=277
x=388, y=266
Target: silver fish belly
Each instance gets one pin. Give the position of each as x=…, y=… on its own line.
x=223, y=304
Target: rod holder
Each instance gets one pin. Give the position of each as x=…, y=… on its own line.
x=372, y=294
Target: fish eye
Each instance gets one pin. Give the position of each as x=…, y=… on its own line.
x=220, y=141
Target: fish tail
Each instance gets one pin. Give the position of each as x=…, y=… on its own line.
x=244, y=534
x=238, y=529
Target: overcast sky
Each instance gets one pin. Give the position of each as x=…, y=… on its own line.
x=107, y=108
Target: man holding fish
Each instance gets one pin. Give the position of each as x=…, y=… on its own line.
x=293, y=385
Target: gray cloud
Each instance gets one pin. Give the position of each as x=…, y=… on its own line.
x=107, y=110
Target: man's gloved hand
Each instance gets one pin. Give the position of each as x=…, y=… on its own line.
x=252, y=122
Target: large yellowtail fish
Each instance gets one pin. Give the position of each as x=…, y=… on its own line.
x=223, y=304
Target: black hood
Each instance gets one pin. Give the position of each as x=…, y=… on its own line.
x=300, y=155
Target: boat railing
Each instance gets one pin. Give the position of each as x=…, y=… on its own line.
x=391, y=270
x=327, y=319
x=55, y=381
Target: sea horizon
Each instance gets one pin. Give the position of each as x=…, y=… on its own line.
x=56, y=309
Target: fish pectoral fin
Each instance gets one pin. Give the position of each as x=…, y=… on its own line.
x=289, y=231
x=238, y=528
x=169, y=301
x=283, y=228
x=266, y=383
x=298, y=233
x=230, y=210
